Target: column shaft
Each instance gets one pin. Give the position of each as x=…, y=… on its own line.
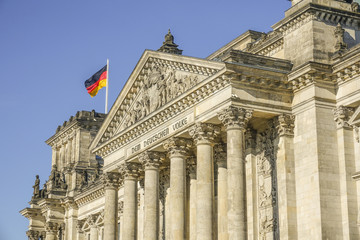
x=110, y=214
x=151, y=228
x=177, y=197
x=192, y=207
x=222, y=202
x=236, y=184
x=205, y=191
x=50, y=236
x=130, y=209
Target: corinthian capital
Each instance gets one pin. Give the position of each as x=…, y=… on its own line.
x=342, y=115
x=235, y=117
x=130, y=170
x=52, y=227
x=204, y=132
x=151, y=160
x=178, y=146
x=111, y=180
x=33, y=235
x=285, y=125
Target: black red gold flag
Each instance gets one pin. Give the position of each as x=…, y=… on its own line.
x=96, y=82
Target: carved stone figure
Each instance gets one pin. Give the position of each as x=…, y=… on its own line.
x=339, y=35
x=36, y=193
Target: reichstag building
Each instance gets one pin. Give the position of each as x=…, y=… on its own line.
x=258, y=141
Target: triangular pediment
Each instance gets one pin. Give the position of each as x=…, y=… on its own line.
x=157, y=80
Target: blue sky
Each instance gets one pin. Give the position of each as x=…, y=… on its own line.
x=49, y=48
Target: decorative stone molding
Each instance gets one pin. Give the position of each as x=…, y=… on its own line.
x=204, y=132
x=178, y=146
x=342, y=115
x=220, y=155
x=129, y=170
x=91, y=220
x=111, y=180
x=87, y=197
x=235, y=117
x=151, y=159
x=285, y=125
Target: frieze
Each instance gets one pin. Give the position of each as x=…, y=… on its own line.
x=87, y=197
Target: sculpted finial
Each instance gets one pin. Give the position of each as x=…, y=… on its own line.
x=169, y=46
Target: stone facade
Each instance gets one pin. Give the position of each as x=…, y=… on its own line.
x=260, y=140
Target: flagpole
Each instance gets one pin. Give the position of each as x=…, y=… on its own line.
x=107, y=86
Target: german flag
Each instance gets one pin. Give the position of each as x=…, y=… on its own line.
x=96, y=82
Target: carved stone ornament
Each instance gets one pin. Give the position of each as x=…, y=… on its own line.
x=33, y=235
x=340, y=45
x=52, y=227
x=130, y=170
x=285, y=125
x=91, y=220
x=169, y=46
x=342, y=115
x=204, y=132
x=111, y=180
x=178, y=146
x=151, y=160
x=161, y=84
x=235, y=117
x=355, y=7
x=79, y=225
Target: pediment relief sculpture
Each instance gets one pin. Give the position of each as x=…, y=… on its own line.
x=160, y=86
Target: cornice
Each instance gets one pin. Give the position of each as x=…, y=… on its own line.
x=90, y=195
x=64, y=135
x=270, y=42
x=310, y=73
x=317, y=12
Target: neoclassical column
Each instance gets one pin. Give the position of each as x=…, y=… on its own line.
x=235, y=120
x=347, y=166
x=222, y=202
x=285, y=168
x=177, y=148
x=111, y=185
x=151, y=162
x=204, y=135
x=93, y=228
x=191, y=171
x=51, y=230
x=130, y=174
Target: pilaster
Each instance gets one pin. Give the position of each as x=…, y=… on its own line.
x=285, y=169
x=346, y=153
